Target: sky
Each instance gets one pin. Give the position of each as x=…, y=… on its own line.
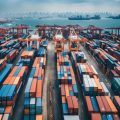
x=90, y=6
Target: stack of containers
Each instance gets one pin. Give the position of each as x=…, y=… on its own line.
x=42, y=52
x=91, y=46
x=8, y=49
x=34, y=90
x=44, y=43
x=2, y=40
x=79, y=57
x=115, y=85
x=98, y=107
x=111, y=48
x=18, y=46
x=12, y=55
x=116, y=102
x=102, y=107
x=26, y=58
x=10, y=90
x=103, y=58
x=8, y=44
x=114, y=52
x=4, y=69
x=115, y=72
x=3, y=53
x=68, y=87
x=110, y=65
x=2, y=64
x=109, y=61
x=88, y=76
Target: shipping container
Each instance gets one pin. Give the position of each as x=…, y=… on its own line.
x=68, y=88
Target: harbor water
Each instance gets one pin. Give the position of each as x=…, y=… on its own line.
x=32, y=22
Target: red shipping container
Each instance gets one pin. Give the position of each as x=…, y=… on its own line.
x=75, y=104
x=115, y=117
x=89, y=104
x=62, y=89
x=39, y=89
x=33, y=88
x=100, y=104
x=112, y=106
x=96, y=116
x=70, y=105
x=107, y=107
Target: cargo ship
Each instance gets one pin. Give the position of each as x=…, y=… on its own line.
x=115, y=17
x=5, y=21
x=79, y=17
x=95, y=17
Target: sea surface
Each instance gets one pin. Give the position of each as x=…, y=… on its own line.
x=32, y=22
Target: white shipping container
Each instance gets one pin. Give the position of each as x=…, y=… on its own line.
x=5, y=117
x=105, y=88
x=71, y=117
x=86, y=83
x=94, y=70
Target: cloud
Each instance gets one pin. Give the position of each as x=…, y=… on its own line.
x=59, y=5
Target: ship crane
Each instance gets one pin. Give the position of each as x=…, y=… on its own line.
x=73, y=41
x=59, y=41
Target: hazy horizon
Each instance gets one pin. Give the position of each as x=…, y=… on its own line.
x=91, y=6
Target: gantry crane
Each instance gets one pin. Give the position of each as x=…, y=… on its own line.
x=73, y=41
x=34, y=38
x=59, y=41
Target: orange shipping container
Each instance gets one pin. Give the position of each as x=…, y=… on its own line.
x=70, y=104
x=35, y=62
x=75, y=104
x=7, y=80
x=26, y=111
x=70, y=87
x=100, y=104
x=12, y=81
x=43, y=73
x=13, y=71
x=96, y=116
x=8, y=110
x=39, y=117
x=40, y=72
x=39, y=88
x=17, y=81
x=36, y=73
x=112, y=106
x=100, y=89
x=67, y=90
x=22, y=71
x=63, y=90
x=89, y=103
x=107, y=107
x=31, y=53
x=63, y=99
x=1, y=117
x=33, y=87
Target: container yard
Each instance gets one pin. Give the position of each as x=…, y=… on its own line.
x=59, y=73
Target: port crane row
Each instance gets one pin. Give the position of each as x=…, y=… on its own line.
x=73, y=40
